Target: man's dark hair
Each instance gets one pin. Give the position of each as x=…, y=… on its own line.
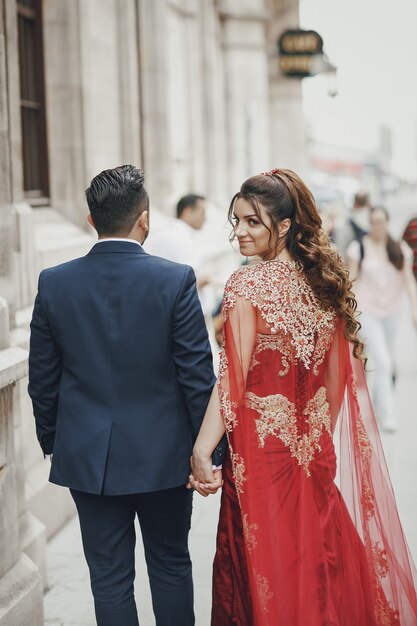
x=190, y=200
x=361, y=199
x=116, y=198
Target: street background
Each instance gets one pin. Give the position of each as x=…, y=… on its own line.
x=196, y=93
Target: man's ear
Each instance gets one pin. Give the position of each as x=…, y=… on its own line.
x=90, y=220
x=143, y=221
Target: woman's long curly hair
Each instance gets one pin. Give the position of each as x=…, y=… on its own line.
x=284, y=195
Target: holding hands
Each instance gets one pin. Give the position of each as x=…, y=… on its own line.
x=203, y=477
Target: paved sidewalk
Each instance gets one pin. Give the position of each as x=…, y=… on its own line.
x=69, y=601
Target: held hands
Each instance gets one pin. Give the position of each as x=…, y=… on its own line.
x=203, y=478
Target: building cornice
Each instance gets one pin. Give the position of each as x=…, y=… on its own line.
x=259, y=16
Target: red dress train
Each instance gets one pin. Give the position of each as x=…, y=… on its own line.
x=293, y=548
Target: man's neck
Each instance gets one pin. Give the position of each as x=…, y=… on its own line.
x=118, y=238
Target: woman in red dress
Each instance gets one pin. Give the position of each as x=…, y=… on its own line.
x=309, y=532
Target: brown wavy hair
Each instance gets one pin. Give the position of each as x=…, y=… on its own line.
x=284, y=195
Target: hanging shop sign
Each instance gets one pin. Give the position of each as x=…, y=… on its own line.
x=300, y=53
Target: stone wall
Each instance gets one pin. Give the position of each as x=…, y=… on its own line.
x=21, y=585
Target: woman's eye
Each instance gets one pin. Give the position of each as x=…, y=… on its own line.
x=252, y=222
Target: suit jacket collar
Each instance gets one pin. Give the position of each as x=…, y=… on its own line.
x=106, y=247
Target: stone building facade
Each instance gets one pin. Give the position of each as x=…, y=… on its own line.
x=187, y=89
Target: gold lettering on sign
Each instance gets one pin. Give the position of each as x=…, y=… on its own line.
x=300, y=64
x=300, y=43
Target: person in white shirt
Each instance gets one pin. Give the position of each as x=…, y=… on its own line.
x=176, y=240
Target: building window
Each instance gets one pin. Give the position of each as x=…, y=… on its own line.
x=32, y=96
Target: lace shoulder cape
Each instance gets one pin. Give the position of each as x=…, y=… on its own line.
x=287, y=305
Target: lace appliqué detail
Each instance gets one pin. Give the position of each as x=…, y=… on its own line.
x=287, y=304
x=279, y=343
x=227, y=407
x=379, y=557
x=384, y=613
x=263, y=591
x=223, y=365
x=238, y=465
x=249, y=533
x=367, y=499
x=278, y=417
x=228, y=410
x=365, y=451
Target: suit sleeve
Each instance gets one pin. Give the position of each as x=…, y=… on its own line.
x=45, y=368
x=192, y=353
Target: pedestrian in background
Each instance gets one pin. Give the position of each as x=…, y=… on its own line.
x=176, y=240
x=356, y=225
x=410, y=237
x=384, y=275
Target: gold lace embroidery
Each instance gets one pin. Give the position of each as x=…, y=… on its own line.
x=249, y=533
x=287, y=304
x=228, y=410
x=278, y=417
x=239, y=477
x=263, y=591
x=222, y=363
x=279, y=343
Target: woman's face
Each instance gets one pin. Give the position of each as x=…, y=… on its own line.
x=378, y=225
x=254, y=238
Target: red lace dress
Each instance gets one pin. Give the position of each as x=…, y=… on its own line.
x=293, y=548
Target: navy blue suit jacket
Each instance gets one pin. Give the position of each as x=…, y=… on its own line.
x=120, y=370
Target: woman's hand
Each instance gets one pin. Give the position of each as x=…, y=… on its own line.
x=206, y=489
x=202, y=477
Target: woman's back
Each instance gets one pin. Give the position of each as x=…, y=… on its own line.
x=287, y=308
x=287, y=336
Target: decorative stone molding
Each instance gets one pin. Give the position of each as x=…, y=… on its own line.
x=21, y=600
x=13, y=366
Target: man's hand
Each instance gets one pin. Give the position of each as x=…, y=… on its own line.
x=201, y=467
x=205, y=489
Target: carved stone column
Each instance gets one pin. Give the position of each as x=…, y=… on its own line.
x=247, y=89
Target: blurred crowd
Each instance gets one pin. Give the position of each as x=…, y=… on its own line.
x=383, y=269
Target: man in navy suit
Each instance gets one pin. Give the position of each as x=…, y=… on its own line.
x=120, y=374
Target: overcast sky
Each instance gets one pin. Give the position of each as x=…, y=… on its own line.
x=373, y=43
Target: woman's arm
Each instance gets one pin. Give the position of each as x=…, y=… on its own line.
x=211, y=431
x=239, y=340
